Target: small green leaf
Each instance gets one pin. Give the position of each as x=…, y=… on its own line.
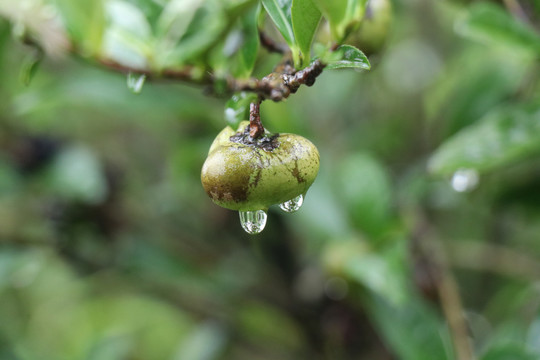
x=347, y=56
x=280, y=12
x=237, y=108
x=305, y=20
x=491, y=24
x=30, y=66
x=501, y=137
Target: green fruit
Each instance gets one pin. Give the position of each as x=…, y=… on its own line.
x=246, y=175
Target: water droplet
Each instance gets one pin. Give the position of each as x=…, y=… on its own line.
x=135, y=82
x=253, y=222
x=293, y=204
x=465, y=180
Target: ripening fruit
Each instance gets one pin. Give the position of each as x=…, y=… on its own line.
x=250, y=175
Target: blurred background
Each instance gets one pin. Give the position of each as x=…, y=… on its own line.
x=419, y=239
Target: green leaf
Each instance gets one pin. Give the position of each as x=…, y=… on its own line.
x=364, y=188
x=491, y=24
x=490, y=79
x=503, y=136
x=334, y=11
x=250, y=45
x=513, y=351
x=347, y=56
x=305, y=20
x=413, y=332
x=128, y=38
x=381, y=272
x=175, y=19
x=30, y=66
x=237, y=108
x=85, y=21
x=280, y=12
x=342, y=15
x=206, y=28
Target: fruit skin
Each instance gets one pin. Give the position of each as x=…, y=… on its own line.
x=247, y=176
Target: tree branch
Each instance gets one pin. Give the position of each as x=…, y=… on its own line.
x=276, y=86
x=515, y=8
x=269, y=44
x=498, y=259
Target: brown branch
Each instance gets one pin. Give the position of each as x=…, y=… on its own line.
x=187, y=74
x=256, y=128
x=429, y=250
x=480, y=256
x=276, y=86
x=453, y=311
x=515, y=8
x=269, y=44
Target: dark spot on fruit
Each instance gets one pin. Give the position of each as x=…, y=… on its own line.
x=296, y=173
x=231, y=191
x=257, y=177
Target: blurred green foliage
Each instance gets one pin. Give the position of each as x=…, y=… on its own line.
x=110, y=249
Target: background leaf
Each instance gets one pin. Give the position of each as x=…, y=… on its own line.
x=363, y=186
x=400, y=325
x=86, y=21
x=501, y=137
x=509, y=351
x=489, y=23
x=128, y=38
x=334, y=12
x=237, y=108
x=247, y=56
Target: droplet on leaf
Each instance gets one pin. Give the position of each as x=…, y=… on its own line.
x=465, y=180
x=135, y=82
x=253, y=222
x=293, y=204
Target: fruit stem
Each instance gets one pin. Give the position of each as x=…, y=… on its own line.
x=256, y=128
